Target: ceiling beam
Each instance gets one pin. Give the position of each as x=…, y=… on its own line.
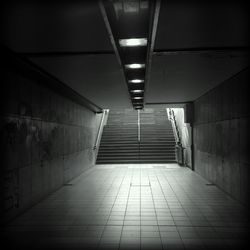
x=153, y=30
x=65, y=53
x=110, y=33
x=163, y=103
x=199, y=50
x=155, y=52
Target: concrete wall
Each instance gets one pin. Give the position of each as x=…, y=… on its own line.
x=47, y=140
x=221, y=136
x=185, y=135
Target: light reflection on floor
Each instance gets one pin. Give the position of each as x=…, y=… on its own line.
x=133, y=206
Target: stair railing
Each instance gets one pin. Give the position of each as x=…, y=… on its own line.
x=139, y=125
x=175, y=127
x=178, y=146
x=100, y=129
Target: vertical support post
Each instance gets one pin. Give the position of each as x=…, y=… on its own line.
x=139, y=125
x=192, y=148
x=139, y=132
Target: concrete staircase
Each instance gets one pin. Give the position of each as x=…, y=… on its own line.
x=119, y=142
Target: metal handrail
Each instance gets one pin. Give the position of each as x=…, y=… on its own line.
x=172, y=117
x=100, y=130
x=178, y=146
x=139, y=125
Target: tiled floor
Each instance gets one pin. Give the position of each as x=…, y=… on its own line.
x=153, y=206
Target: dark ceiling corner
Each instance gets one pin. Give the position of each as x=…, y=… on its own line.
x=228, y=79
x=22, y=65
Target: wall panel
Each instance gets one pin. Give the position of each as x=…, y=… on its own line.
x=221, y=136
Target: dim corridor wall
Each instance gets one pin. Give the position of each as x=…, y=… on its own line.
x=221, y=136
x=46, y=141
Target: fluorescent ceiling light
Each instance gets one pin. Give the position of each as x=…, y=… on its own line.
x=133, y=42
x=136, y=81
x=135, y=66
x=137, y=91
x=137, y=97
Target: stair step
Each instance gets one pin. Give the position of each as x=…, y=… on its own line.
x=135, y=153
x=171, y=141
x=142, y=141
x=134, y=161
x=170, y=149
x=136, y=158
x=119, y=133
x=136, y=145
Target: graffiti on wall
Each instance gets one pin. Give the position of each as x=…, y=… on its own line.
x=11, y=190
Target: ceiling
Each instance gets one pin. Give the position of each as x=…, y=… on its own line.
x=201, y=24
x=197, y=46
x=99, y=78
x=181, y=78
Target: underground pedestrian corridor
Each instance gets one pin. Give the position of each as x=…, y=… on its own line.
x=124, y=125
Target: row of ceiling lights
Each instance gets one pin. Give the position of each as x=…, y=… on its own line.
x=137, y=93
x=129, y=22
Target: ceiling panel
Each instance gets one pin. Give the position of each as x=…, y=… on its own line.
x=45, y=26
x=192, y=24
x=99, y=78
x=185, y=77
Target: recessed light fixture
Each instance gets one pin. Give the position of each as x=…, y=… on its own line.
x=137, y=90
x=131, y=42
x=137, y=97
x=136, y=81
x=135, y=66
